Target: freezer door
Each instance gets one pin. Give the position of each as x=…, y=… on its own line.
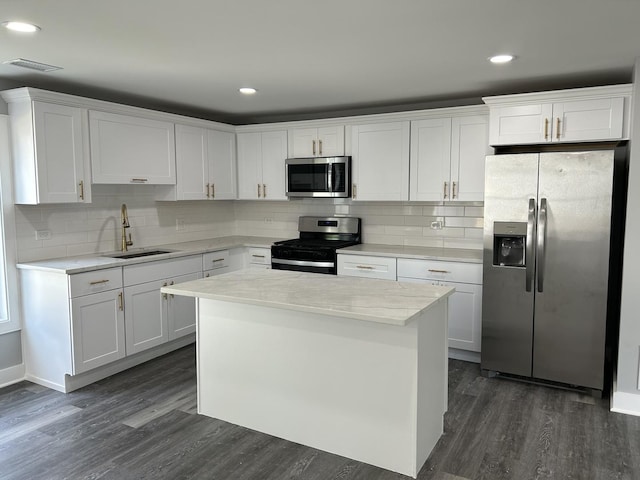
x=507, y=307
x=573, y=267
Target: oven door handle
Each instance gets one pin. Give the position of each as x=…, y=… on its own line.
x=302, y=263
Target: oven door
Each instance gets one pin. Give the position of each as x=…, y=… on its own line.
x=303, y=266
x=318, y=177
x=315, y=260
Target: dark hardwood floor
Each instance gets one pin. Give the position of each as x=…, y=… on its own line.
x=142, y=424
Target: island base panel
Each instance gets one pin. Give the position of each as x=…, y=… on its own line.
x=372, y=392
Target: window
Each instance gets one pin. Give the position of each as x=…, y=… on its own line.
x=9, y=307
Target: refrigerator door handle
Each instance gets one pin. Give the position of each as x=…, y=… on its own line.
x=542, y=235
x=531, y=220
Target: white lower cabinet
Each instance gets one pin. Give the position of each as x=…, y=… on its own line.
x=465, y=305
x=368, y=267
x=97, y=319
x=258, y=257
x=151, y=315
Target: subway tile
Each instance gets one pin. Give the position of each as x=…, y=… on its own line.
x=424, y=221
x=443, y=211
x=474, y=211
x=470, y=243
x=473, y=233
x=444, y=232
x=423, y=241
x=404, y=230
x=471, y=222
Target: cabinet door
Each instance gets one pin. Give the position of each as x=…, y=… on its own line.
x=304, y=142
x=61, y=151
x=145, y=316
x=274, y=154
x=381, y=161
x=430, y=159
x=249, y=165
x=588, y=120
x=221, y=148
x=465, y=316
x=97, y=329
x=465, y=313
x=331, y=141
x=192, y=164
x=128, y=149
x=469, y=147
x=520, y=124
x=181, y=311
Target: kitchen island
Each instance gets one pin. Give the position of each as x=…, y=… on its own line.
x=356, y=367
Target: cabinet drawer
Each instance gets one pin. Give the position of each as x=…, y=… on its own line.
x=147, y=272
x=93, y=282
x=215, y=260
x=259, y=256
x=440, y=270
x=369, y=267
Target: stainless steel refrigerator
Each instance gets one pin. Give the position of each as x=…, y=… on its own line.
x=547, y=226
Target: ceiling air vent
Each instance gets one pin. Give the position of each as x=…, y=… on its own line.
x=30, y=64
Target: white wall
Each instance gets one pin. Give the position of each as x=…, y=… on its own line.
x=626, y=396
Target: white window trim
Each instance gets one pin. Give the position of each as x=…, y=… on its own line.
x=8, y=218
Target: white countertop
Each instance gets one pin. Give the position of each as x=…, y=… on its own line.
x=86, y=263
x=422, y=253
x=380, y=301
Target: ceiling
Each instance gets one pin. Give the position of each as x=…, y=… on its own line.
x=312, y=58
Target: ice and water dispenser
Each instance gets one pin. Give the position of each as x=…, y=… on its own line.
x=509, y=244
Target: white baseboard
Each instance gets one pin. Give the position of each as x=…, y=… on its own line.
x=627, y=403
x=465, y=355
x=11, y=375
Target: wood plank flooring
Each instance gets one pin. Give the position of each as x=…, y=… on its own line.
x=142, y=424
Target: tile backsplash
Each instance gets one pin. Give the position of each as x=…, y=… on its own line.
x=95, y=227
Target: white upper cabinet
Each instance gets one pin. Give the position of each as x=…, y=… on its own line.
x=447, y=158
x=127, y=149
x=380, y=165
x=50, y=150
x=580, y=115
x=261, y=162
x=317, y=142
x=205, y=165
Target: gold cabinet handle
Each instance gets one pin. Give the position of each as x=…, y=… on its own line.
x=207, y=190
x=558, y=128
x=257, y=256
x=364, y=267
x=213, y=191
x=98, y=282
x=164, y=295
x=259, y=194
x=438, y=271
x=120, y=301
x=453, y=188
x=314, y=146
x=320, y=146
x=446, y=190
x=264, y=191
x=353, y=190
x=217, y=260
x=139, y=180
x=171, y=294
x=546, y=128
x=81, y=189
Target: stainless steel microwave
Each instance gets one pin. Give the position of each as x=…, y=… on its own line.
x=318, y=177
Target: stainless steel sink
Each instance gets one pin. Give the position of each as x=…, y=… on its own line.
x=144, y=253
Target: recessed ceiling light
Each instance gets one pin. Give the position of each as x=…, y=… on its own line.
x=21, y=27
x=501, y=58
x=247, y=90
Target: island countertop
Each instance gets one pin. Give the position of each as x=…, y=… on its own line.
x=380, y=301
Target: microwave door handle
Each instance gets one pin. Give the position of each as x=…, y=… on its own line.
x=529, y=261
x=330, y=178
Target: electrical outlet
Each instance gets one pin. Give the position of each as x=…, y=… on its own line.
x=43, y=234
x=437, y=225
x=180, y=225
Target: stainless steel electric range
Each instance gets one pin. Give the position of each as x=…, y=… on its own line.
x=315, y=249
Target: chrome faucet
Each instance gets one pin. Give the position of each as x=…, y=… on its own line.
x=124, y=217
